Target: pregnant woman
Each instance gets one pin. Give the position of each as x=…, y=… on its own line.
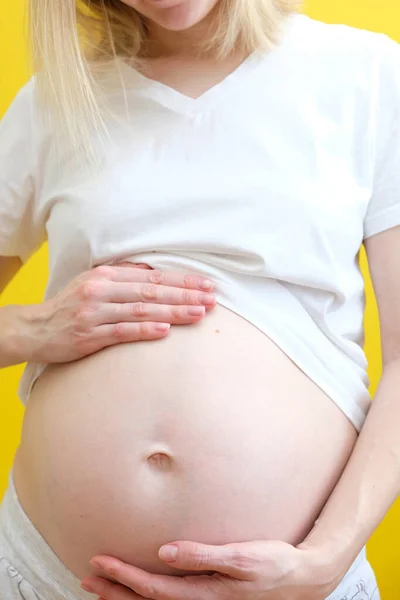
x=205, y=172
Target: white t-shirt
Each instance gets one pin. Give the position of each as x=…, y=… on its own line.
x=268, y=184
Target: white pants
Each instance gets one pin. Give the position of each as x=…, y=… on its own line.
x=29, y=569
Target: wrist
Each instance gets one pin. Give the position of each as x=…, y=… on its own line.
x=331, y=557
x=17, y=335
x=320, y=567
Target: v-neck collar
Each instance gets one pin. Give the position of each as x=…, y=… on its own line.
x=171, y=98
x=178, y=101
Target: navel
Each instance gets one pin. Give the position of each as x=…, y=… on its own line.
x=160, y=460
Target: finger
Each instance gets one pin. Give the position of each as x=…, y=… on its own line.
x=119, y=333
x=140, y=312
x=108, y=590
x=145, y=274
x=155, y=294
x=227, y=559
x=158, y=587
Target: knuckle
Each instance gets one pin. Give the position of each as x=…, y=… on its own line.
x=119, y=331
x=82, y=319
x=149, y=292
x=80, y=337
x=89, y=290
x=103, y=271
x=144, y=331
x=187, y=297
x=189, y=281
x=149, y=591
x=157, y=277
x=200, y=558
x=241, y=561
x=140, y=310
x=177, y=312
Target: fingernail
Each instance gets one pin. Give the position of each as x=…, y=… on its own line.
x=207, y=299
x=196, y=311
x=87, y=587
x=206, y=285
x=162, y=326
x=96, y=563
x=168, y=553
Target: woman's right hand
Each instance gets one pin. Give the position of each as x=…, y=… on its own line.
x=110, y=305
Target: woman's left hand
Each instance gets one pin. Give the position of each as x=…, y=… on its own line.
x=242, y=571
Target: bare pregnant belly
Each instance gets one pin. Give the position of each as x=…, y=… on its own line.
x=212, y=434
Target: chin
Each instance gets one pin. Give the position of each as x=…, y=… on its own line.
x=178, y=15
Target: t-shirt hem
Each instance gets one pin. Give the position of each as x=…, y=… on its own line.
x=344, y=396
x=311, y=352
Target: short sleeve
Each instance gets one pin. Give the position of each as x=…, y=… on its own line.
x=384, y=207
x=21, y=232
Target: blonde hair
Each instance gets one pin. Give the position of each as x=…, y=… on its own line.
x=76, y=44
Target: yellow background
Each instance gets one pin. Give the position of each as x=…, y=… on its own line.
x=28, y=286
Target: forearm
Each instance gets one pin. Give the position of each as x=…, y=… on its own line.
x=14, y=335
x=371, y=481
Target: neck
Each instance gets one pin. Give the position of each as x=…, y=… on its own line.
x=163, y=42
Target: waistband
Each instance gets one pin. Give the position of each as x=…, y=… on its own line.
x=340, y=592
x=32, y=556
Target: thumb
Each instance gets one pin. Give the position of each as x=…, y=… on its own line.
x=227, y=559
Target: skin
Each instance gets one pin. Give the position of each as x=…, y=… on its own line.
x=176, y=23
x=367, y=488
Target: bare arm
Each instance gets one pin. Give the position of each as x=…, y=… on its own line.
x=11, y=317
x=371, y=481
